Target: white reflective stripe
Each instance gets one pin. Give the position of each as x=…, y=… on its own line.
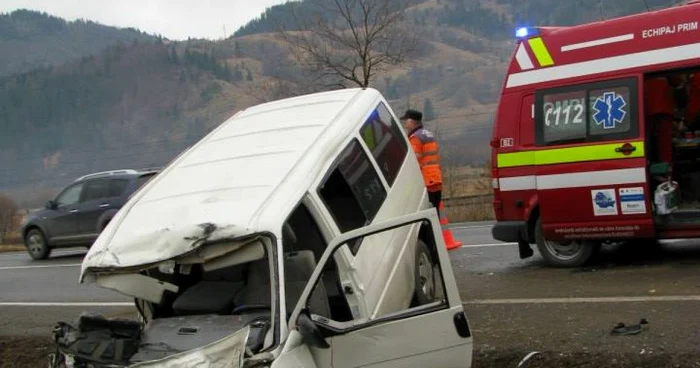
x=574, y=180
x=518, y=183
x=523, y=58
x=591, y=179
x=600, y=42
x=610, y=64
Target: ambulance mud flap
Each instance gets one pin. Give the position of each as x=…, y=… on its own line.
x=514, y=231
x=525, y=249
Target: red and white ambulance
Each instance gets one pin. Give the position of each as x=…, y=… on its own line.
x=597, y=135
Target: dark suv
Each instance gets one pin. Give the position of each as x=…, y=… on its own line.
x=81, y=211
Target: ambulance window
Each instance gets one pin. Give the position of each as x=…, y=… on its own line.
x=587, y=113
x=384, y=138
x=609, y=111
x=563, y=116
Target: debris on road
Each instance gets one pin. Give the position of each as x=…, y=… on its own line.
x=527, y=358
x=622, y=330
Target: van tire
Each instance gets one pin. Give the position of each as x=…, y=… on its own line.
x=424, y=274
x=574, y=254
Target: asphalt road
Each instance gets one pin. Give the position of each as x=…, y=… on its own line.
x=514, y=306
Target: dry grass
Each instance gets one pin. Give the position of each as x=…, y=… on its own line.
x=470, y=212
x=11, y=248
x=466, y=181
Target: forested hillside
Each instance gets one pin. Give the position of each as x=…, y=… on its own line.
x=30, y=39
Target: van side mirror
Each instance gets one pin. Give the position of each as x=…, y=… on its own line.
x=310, y=332
x=51, y=205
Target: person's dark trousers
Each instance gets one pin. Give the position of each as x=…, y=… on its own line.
x=435, y=198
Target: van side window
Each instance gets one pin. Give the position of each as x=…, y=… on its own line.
x=353, y=192
x=587, y=113
x=385, y=140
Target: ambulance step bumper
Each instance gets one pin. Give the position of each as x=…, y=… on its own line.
x=510, y=231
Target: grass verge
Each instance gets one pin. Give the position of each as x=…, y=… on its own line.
x=11, y=248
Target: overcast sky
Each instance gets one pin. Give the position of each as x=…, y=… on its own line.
x=174, y=19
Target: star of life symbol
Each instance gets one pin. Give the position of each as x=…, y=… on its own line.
x=609, y=110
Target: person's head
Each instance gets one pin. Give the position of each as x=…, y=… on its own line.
x=411, y=120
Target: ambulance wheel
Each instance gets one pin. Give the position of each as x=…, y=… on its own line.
x=564, y=254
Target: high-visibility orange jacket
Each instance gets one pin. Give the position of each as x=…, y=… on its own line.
x=426, y=148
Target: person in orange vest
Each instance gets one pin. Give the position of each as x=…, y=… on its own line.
x=427, y=151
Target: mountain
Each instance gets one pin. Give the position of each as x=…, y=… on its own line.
x=139, y=103
x=30, y=39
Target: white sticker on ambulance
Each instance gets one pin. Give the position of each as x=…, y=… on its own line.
x=632, y=201
x=604, y=202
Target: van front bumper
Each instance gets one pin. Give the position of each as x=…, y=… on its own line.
x=510, y=231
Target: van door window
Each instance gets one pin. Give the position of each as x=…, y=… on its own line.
x=587, y=113
x=353, y=192
x=384, y=138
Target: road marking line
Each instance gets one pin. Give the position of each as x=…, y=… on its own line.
x=66, y=304
x=54, y=253
x=612, y=299
x=39, y=266
x=488, y=245
x=469, y=227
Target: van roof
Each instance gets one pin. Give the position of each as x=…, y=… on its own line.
x=645, y=41
x=245, y=177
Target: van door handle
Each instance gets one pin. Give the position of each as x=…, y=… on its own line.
x=104, y=205
x=73, y=211
x=626, y=149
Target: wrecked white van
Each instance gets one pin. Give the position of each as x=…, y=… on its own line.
x=296, y=234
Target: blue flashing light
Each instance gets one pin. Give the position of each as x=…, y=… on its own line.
x=526, y=32
x=522, y=32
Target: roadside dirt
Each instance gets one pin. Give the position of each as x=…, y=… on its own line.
x=20, y=352
x=11, y=248
x=16, y=352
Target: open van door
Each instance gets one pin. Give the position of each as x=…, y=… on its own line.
x=428, y=333
x=592, y=179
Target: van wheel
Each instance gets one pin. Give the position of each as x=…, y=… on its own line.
x=564, y=254
x=425, y=275
x=36, y=244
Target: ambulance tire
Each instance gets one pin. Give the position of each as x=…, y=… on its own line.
x=558, y=255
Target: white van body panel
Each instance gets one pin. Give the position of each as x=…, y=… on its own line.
x=248, y=165
x=245, y=179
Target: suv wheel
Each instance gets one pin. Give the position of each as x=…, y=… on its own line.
x=425, y=275
x=36, y=244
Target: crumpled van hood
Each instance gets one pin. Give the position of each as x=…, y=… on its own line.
x=157, y=245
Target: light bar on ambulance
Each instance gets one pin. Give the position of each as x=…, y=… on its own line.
x=526, y=32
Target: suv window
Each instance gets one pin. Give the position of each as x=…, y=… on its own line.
x=587, y=113
x=70, y=196
x=94, y=190
x=384, y=139
x=353, y=192
x=117, y=187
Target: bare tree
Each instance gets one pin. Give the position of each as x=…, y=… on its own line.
x=349, y=41
x=8, y=210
